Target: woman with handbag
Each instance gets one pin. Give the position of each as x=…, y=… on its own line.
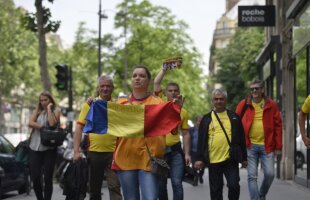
x=132, y=155
x=42, y=158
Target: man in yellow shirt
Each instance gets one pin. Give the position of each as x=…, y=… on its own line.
x=262, y=125
x=305, y=109
x=218, y=131
x=101, y=148
x=174, y=155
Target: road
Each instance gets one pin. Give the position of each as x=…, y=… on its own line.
x=280, y=190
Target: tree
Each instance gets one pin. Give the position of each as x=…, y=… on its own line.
x=17, y=59
x=154, y=34
x=82, y=58
x=40, y=23
x=237, y=63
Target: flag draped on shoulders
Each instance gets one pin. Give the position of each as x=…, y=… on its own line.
x=132, y=120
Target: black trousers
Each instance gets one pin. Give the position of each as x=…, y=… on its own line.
x=42, y=163
x=100, y=165
x=217, y=171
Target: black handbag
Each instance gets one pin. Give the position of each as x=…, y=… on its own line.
x=190, y=176
x=52, y=137
x=235, y=153
x=158, y=166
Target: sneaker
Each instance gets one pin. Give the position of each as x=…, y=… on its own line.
x=200, y=180
x=262, y=198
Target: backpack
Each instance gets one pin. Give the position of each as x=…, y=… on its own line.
x=75, y=180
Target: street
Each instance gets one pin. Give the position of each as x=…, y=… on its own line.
x=280, y=190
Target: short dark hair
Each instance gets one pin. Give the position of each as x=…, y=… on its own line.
x=173, y=84
x=148, y=73
x=259, y=82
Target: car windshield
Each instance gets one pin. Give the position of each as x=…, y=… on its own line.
x=5, y=146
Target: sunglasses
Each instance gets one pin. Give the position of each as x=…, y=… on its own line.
x=255, y=88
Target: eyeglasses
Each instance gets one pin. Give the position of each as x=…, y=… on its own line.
x=255, y=88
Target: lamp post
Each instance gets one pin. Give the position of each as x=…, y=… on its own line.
x=101, y=15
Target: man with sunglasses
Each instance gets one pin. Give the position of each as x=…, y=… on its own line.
x=262, y=125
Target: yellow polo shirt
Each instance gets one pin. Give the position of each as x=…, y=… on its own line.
x=218, y=145
x=174, y=139
x=97, y=142
x=256, y=132
x=306, y=106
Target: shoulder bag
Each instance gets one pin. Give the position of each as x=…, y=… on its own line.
x=235, y=153
x=158, y=166
x=52, y=136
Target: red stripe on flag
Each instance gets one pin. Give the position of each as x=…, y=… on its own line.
x=161, y=119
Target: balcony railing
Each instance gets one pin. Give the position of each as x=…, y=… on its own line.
x=224, y=31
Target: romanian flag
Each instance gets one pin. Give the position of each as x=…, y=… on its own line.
x=132, y=120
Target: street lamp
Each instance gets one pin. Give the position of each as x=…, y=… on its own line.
x=101, y=15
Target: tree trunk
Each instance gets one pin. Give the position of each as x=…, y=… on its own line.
x=42, y=47
x=2, y=122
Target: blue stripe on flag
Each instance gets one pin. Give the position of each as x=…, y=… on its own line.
x=97, y=118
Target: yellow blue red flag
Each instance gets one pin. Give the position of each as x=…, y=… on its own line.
x=132, y=120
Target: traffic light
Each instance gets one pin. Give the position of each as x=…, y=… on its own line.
x=62, y=77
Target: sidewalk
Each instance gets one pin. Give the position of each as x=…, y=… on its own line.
x=280, y=190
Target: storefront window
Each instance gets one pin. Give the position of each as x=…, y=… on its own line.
x=301, y=31
x=301, y=42
x=301, y=93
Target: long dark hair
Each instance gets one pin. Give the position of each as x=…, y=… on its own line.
x=49, y=96
x=148, y=73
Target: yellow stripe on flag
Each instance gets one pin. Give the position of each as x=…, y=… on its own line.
x=125, y=120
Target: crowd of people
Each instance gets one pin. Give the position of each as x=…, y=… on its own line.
x=220, y=141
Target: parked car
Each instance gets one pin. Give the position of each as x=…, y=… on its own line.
x=301, y=151
x=14, y=175
x=16, y=138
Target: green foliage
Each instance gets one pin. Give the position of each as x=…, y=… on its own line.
x=154, y=35
x=300, y=40
x=30, y=21
x=301, y=32
x=83, y=60
x=237, y=63
x=18, y=54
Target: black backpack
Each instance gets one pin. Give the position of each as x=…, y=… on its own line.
x=75, y=180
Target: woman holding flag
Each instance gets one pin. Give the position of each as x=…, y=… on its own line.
x=131, y=158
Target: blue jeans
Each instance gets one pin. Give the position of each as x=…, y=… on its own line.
x=132, y=181
x=176, y=162
x=256, y=153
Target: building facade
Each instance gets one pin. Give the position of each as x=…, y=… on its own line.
x=284, y=66
x=224, y=31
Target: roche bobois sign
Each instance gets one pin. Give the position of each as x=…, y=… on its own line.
x=256, y=15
